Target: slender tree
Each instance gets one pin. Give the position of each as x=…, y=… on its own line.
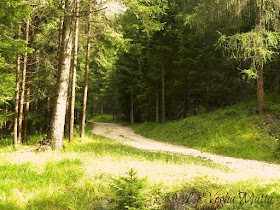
x=17, y=97
x=23, y=80
x=74, y=73
x=86, y=74
x=29, y=75
x=162, y=94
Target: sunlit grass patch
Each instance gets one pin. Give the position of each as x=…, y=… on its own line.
x=81, y=176
x=234, y=131
x=21, y=183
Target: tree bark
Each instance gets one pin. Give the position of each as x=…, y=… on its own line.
x=86, y=75
x=260, y=89
x=163, y=94
x=23, y=86
x=60, y=40
x=26, y=112
x=259, y=64
x=74, y=73
x=59, y=63
x=131, y=108
x=16, y=102
x=49, y=112
x=157, y=106
x=58, y=119
x=28, y=86
x=67, y=120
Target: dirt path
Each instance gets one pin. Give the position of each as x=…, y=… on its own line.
x=248, y=168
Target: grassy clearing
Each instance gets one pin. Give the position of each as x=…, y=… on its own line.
x=94, y=175
x=235, y=131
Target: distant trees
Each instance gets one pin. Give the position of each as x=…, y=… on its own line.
x=11, y=48
x=180, y=68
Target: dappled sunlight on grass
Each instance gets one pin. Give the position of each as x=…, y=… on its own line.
x=80, y=177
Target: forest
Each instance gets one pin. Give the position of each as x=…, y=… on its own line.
x=202, y=74
x=153, y=61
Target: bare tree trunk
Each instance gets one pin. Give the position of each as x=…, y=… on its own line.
x=86, y=76
x=26, y=112
x=58, y=119
x=28, y=86
x=78, y=116
x=60, y=40
x=131, y=108
x=59, y=63
x=67, y=120
x=163, y=94
x=74, y=74
x=259, y=65
x=49, y=112
x=260, y=90
x=23, y=86
x=157, y=106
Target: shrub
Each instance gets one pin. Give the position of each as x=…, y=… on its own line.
x=129, y=191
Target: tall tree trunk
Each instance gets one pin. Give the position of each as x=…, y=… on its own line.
x=157, y=106
x=163, y=94
x=131, y=108
x=59, y=63
x=78, y=116
x=49, y=112
x=60, y=40
x=260, y=90
x=86, y=75
x=259, y=64
x=74, y=73
x=26, y=112
x=28, y=86
x=23, y=85
x=58, y=119
x=67, y=120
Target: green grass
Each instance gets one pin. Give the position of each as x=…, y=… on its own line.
x=107, y=118
x=6, y=142
x=83, y=176
x=235, y=131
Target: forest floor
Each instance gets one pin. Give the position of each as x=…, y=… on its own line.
x=242, y=169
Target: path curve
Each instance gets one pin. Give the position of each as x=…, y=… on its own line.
x=126, y=135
